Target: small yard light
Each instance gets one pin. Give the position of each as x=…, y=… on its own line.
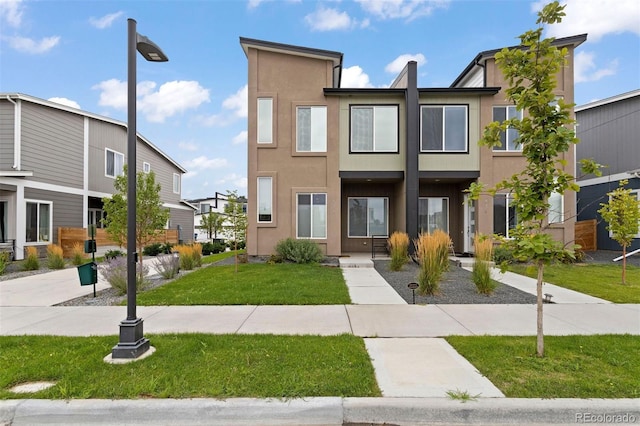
x=413, y=287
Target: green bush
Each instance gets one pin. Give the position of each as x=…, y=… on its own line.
x=575, y=255
x=503, y=254
x=153, y=249
x=166, y=248
x=212, y=248
x=31, y=263
x=299, y=251
x=55, y=259
x=112, y=254
x=4, y=261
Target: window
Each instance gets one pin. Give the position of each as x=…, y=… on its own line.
x=556, y=208
x=508, y=138
x=311, y=129
x=368, y=217
x=176, y=183
x=205, y=208
x=146, y=167
x=504, y=215
x=38, y=224
x=114, y=163
x=444, y=128
x=96, y=218
x=433, y=213
x=265, y=201
x=265, y=120
x=312, y=216
x=374, y=128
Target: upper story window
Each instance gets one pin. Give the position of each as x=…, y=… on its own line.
x=146, y=167
x=265, y=120
x=443, y=128
x=113, y=163
x=508, y=138
x=311, y=129
x=205, y=208
x=176, y=183
x=265, y=199
x=556, y=208
x=374, y=128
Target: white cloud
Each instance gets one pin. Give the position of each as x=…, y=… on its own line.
x=28, y=45
x=11, y=12
x=106, y=21
x=354, y=77
x=597, y=18
x=238, y=102
x=400, y=62
x=65, y=101
x=327, y=19
x=169, y=99
x=254, y=3
x=240, y=138
x=585, y=68
x=234, y=179
x=188, y=146
x=395, y=9
x=204, y=163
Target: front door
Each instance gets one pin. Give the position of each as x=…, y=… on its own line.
x=469, y=224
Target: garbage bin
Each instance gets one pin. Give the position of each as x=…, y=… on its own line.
x=88, y=273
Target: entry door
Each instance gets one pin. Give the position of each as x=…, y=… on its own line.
x=469, y=224
x=4, y=221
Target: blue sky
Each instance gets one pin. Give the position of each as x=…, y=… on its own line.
x=194, y=107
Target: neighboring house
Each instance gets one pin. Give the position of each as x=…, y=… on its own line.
x=205, y=206
x=609, y=133
x=346, y=166
x=58, y=162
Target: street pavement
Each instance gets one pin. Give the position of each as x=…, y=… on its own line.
x=414, y=366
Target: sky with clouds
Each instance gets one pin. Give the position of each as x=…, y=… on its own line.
x=194, y=107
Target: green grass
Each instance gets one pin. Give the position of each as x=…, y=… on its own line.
x=191, y=366
x=604, y=366
x=254, y=284
x=603, y=281
x=213, y=258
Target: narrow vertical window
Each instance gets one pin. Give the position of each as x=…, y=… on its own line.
x=114, y=163
x=146, y=167
x=38, y=221
x=176, y=183
x=265, y=120
x=556, y=208
x=312, y=216
x=265, y=199
x=508, y=139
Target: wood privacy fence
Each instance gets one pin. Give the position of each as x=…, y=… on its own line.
x=585, y=234
x=67, y=237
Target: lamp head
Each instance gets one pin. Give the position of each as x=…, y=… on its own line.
x=149, y=50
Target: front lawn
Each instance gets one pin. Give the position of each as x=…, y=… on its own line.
x=190, y=366
x=253, y=284
x=604, y=366
x=603, y=281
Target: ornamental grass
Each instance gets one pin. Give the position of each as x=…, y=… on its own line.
x=399, y=247
x=481, y=273
x=55, y=259
x=78, y=255
x=432, y=251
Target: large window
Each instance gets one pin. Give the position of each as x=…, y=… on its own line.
x=311, y=129
x=312, y=216
x=176, y=183
x=556, y=208
x=38, y=224
x=374, y=128
x=368, y=217
x=504, y=215
x=444, y=128
x=265, y=200
x=433, y=213
x=507, y=138
x=114, y=163
x=265, y=120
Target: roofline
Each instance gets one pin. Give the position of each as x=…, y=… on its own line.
x=84, y=113
x=335, y=57
x=575, y=40
x=462, y=90
x=328, y=91
x=610, y=100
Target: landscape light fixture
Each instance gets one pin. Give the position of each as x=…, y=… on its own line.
x=132, y=342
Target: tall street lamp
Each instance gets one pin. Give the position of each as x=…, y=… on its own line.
x=132, y=342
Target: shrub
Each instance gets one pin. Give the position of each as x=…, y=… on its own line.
x=152, y=249
x=212, y=248
x=481, y=273
x=55, y=260
x=275, y=258
x=399, y=245
x=299, y=251
x=190, y=256
x=168, y=265
x=503, y=254
x=112, y=254
x=77, y=253
x=4, y=261
x=31, y=263
x=166, y=248
x=574, y=255
x=432, y=251
x=114, y=271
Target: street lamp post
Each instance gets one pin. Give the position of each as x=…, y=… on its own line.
x=132, y=342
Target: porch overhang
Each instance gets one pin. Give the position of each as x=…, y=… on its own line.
x=447, y=176
x=372, y=176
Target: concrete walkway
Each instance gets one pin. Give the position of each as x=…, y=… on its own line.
x=404, y=341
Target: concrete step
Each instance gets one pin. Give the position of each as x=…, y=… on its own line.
x=355, y=262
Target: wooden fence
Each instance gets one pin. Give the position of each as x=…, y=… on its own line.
x=67, y=237
x=586, y=235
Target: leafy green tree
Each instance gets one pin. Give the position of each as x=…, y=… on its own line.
x=622, y=214
x=545, y=133
x=212, y=222
x=236, y=220
x=151, y=217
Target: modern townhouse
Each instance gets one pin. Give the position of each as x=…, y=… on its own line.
x=346, y=167
x=216, y=204
x=609, y=131
x=58, y=162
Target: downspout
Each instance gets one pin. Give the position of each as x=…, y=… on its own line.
x=17, y=131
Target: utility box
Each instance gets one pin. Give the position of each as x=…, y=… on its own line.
x=90, y=246
x=88, y=273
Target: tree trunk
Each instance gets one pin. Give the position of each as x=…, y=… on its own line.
x=540, y=334
x=624, y=264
